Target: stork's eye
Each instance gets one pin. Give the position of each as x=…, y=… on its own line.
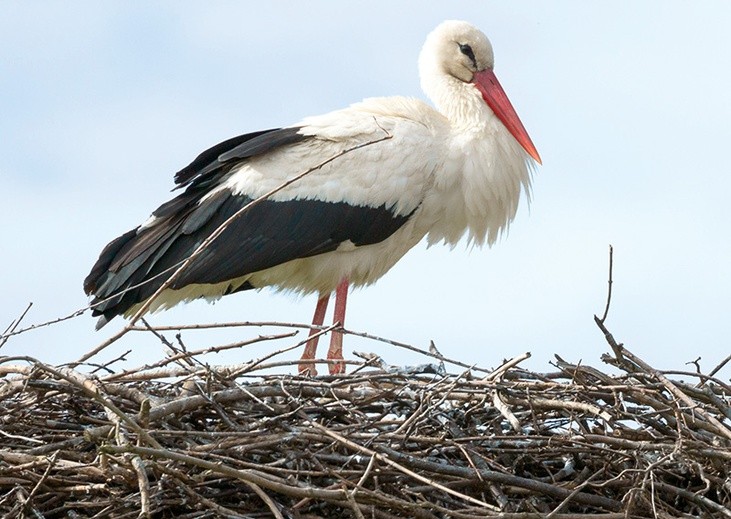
x=467, y=51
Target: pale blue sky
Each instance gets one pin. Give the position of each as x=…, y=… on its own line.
x=628, y=104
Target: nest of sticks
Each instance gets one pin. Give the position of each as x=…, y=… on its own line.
x=179, y=438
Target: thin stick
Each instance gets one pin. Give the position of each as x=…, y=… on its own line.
x=609, y=288
x=715, y=370
x=194, y=353
x=10, y=330
x=506, y=366
x=569, y=497
x=267, y=500
x=41, y=482
x=232, y=324
x=7, y=334
x=415, y=349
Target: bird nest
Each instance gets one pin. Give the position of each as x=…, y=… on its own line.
x=183, y=439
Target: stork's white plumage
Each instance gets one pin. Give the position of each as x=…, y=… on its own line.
x=444, y=173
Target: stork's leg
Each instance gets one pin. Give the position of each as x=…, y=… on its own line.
x=335, y=352
x=308, y=368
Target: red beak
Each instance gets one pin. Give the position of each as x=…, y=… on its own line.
x=496, y=98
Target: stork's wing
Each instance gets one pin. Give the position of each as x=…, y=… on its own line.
x=356, y=199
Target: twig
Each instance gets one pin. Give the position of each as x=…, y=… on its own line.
x=569, y=497
x=501, y=406
x=354, y=506
x=7, y=334
x=267, y=500
x=10, y=330
x=143, y=484
x=42, y=481
x=195, y=353
x=609, y=283
x=233, y=324
x=700, y=500
x=506, y=366
x=415, y=349
x=715, y=370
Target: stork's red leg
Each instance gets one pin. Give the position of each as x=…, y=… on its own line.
x=308, y=368
x=336, y=340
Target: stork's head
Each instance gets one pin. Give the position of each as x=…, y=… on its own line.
x=456, y=67
x=456, y=49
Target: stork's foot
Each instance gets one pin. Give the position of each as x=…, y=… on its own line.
x=305, y=368
x=336, y=362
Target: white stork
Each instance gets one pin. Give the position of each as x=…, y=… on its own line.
x=443, y=173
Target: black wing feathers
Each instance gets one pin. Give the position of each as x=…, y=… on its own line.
x=235, y=149
x=105, y=258
x=205, y=210
x=264, y=143
x=273, y=233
